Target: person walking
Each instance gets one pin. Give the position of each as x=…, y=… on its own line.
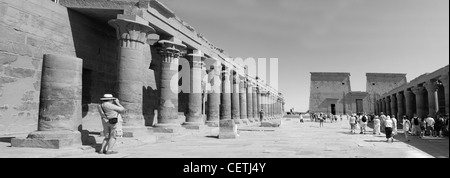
x=439, y=125
x=406, y=127
x=376, y=126
x=423, y=127
x=321, y=119
x=394, y=126
x=415, y=125
x=352, y=122
x=430, y=126
x=261, y=115
x=301, y=118
x=110, y=110
x=363, y=123
x=388, y=125
x=382, y=120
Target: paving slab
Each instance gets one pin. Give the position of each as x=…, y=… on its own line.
x=291, y=140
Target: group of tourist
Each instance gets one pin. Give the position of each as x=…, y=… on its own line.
x=321, y=118
x=414, y=126
x=358, y=120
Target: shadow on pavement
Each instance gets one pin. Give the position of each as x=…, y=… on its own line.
x=435, y=146
x=6, y=139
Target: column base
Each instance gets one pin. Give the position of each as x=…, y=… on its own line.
x=227, y=129
x=167, y=128
x=194, y=125
x=238, y=121
x=49, y=139
x=212, y=123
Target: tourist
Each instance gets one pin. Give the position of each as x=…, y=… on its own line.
x=110, y=110
x=430, y=125
x=388, y=125
x=261, y=115
x=363, y=123
x=415, y=125
x=394, y=126
x=301, y=118
x=406, y=127
x=340, y=116
x=423, y=127
x=376, y=126
x=382, y=120
x=352, y=122
x=439, y=125
x=321, y=119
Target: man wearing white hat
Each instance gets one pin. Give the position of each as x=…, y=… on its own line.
x=109, y=110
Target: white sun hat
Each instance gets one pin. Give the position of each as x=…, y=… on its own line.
x=107, y=97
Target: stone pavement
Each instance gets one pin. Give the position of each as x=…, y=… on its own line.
x=291, y=140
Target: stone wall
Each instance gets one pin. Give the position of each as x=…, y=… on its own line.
x=29, y=29
x=327, y=89
x=379, y=84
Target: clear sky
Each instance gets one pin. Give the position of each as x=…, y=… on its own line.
x=355, y=36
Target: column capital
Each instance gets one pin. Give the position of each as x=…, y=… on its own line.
x=129, y=32
x=418, y=90
x=399, y=95
x=431, y=86
x=171, y=48
x=196, y=59
x=444, y=80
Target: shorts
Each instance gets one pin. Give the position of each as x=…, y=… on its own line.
x=109, y=130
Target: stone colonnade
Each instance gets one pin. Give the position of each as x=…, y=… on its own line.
x=232, y=95
x=421, y=99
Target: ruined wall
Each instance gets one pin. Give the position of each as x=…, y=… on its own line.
x=29, y=29
x=327, y=89
x=379, y=84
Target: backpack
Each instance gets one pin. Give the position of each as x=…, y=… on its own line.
x=364, y=119
x=416, y=121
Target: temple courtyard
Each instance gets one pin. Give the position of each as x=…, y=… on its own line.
x=291, y=140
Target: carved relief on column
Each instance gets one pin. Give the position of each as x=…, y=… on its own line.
x=432, y=87
x=132, y=36
x=170, y=51
x=400, y=111
x=408, y=103
x=444, y=80
x=393, y=106
x=419, y=91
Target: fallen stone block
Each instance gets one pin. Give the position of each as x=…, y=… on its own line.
x=227, y=129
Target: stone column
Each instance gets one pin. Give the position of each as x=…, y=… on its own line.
x=432, y=88
x=170, y=51
x=250, y=115
x=269, y=105
x=213, y=116
x=388, y=105
x=408, y=104
x=258, y=102
x=394, y=106
x=194, y=118
x=225, y=105
x=263, y=103
x=255, y=103
x=235, y=107
x=383, y=105
x=419, y=91
x=444, y=80
x=132, y=36
x=60, y=115
x=243, y=98
x=400, y=111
